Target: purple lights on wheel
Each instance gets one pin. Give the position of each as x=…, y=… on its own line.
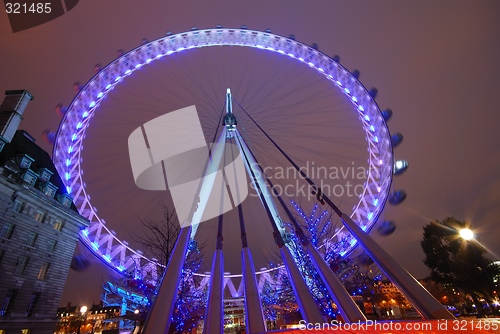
x=70, y=136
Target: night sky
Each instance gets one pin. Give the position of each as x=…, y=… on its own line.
x=435, y=64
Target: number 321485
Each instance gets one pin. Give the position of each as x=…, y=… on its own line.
x=24, y=8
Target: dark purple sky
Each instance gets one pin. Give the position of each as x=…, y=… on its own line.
x=435, y=64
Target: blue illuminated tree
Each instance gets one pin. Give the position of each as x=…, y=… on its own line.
x=277, y=295
x=191, y=299
x=361, y=277
x=356, y=270
x=318, y=228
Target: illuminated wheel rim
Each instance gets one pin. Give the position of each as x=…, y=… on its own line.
x=72, y=129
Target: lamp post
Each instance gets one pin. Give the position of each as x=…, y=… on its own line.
x=466, y=234
x=83, y=310
x=136, y=312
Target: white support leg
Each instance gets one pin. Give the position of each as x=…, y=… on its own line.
x=307, y=306
x=160, y=316
x=214, y=314
x=208, y=181
x=428, y=306
x=254, y=318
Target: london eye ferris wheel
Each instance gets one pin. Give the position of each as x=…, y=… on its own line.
x=316, y=110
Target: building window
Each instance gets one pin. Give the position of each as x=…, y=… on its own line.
x=30, y=239
x=32, y=305
x=39, y=215
x=51, y=246
x=65, y=199
x=25, y=161
x=42, y=274
x=48, y=188
x=45, y=174
x=30, y=177
x=21, y=265
x=2, y=252
x=58, y=225
x=6, y=231
x=50, y=192
x=7, y=302
x=18, y=205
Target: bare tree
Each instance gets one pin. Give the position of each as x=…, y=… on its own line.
x=158, y=237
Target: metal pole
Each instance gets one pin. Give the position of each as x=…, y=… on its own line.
x=79, y=323
x=208, y=181
x=428, y=306
x=160, y=316
x=307, y=306
x=347, y=306
x=254, y=317
x=214, y=314
x=424, y=302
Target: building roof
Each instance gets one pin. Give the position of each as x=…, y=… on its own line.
x=24, y=143
x=96, y=308
x=67, y=309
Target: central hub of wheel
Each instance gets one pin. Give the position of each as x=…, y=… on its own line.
x=229, y=120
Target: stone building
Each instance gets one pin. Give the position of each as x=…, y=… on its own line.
x=97, y=319
x=39, y=227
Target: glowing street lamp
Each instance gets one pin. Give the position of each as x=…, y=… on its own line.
x=136, y=312
x=466, y=234
x=83, y=310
